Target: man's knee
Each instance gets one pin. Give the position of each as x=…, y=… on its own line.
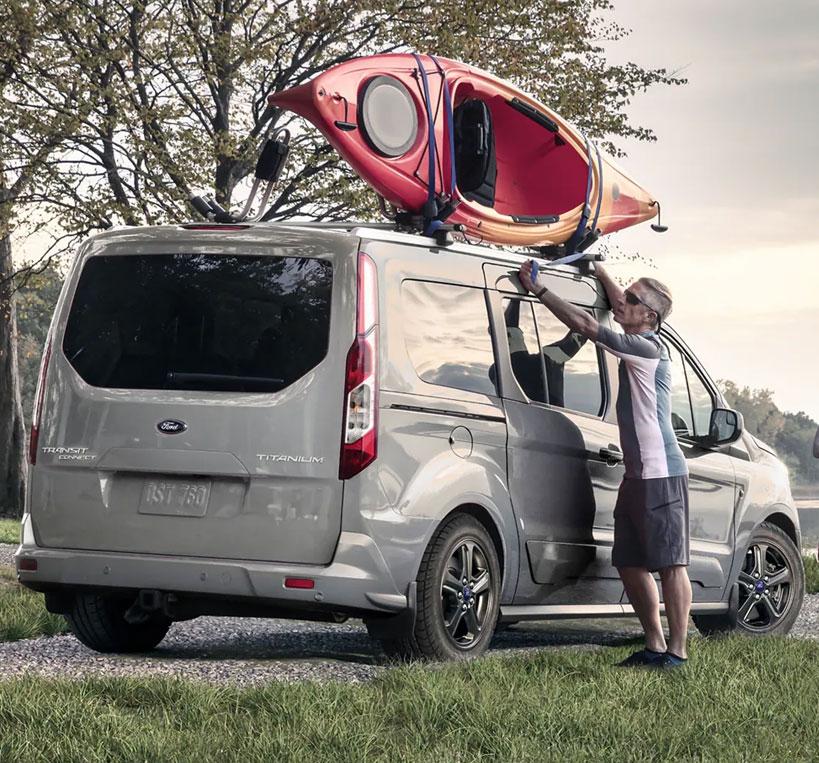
x=633, y=574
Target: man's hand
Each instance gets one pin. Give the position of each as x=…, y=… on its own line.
x=525, y=276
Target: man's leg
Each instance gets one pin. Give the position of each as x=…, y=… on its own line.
x=677, y=599
x=643, y=596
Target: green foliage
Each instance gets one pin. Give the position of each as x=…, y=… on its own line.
x=790, y=434
x=23, y=613
x=811, y=574
x=9, y=531
x=36, y=298
x=552, y=705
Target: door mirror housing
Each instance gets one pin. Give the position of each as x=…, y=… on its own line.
x=725, y=427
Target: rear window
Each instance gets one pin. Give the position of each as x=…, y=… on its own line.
x=199, y=321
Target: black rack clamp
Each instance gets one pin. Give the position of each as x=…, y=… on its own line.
x=211, y=210
x=269, y=168
x=406, y=221
x=441, y=233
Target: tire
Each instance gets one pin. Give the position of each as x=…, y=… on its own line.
x=769, y=589
x=99, y=623
x=443, y=600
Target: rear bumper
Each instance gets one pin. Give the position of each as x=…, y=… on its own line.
x=357, y=580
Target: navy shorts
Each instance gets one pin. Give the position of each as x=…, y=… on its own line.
x=651, y=523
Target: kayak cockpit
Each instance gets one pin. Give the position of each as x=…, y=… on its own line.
x=508, y=159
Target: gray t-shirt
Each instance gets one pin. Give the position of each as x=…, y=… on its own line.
x=650, y=448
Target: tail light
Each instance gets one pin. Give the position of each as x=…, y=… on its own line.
x=359, y=439
x=38, y=404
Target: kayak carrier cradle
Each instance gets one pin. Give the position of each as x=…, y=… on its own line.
x=269, y=168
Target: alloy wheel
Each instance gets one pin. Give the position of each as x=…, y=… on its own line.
x=765, y=587
x=466, y=594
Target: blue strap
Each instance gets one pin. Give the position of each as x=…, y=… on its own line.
x=451, y=127
x=567, y=259
x=431, y=130
x=573, y=256
x=580, y=232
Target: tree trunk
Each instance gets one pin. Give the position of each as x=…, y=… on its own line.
x=12, y=427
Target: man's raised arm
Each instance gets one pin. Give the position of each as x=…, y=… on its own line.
x=576, y=319
x=613, y=291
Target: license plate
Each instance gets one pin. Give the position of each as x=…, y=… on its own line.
x=176, y=498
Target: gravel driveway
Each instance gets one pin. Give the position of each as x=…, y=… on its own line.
x=250, y=651
x=6, y=554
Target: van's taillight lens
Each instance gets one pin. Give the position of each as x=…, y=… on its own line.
x=359, y=440
x=38, y=404
x=299, y=583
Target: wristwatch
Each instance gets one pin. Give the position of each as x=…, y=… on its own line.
x=540, y=292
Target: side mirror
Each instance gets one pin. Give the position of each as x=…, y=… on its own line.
x=726, y=426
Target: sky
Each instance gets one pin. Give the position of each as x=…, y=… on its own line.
x=736, y=168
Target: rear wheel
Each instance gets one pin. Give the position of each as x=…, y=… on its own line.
x=458, y=593
x=770, y=588
x=99, y=623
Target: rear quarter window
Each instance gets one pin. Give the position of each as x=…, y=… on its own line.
x=199, y=321
x=446, y=329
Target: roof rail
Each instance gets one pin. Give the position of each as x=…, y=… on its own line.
x=342, y=224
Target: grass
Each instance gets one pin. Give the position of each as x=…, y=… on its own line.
x=23, y=613
x=738, y=698
x=10, y=531
x=552, y=705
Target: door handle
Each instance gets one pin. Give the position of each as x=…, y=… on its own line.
x=612, y=455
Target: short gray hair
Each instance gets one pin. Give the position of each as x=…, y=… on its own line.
x=661, y=297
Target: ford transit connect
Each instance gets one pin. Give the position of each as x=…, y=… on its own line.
x=320, y=423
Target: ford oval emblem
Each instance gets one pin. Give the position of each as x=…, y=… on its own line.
x=171, y=426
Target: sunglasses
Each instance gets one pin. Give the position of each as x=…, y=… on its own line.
x=633, y=299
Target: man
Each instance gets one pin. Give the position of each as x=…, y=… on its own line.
x=651, y=514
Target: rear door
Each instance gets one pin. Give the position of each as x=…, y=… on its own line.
x=194, y=397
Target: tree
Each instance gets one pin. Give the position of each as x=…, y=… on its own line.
x=791, y=434
x=116, y=111
x=179, y=89
x=27, y=140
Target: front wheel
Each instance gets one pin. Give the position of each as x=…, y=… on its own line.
x=458, y=596
x=770, y=588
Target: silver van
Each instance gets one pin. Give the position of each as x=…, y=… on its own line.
x=320, y=423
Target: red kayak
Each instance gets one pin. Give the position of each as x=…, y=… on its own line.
x=448, y=142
